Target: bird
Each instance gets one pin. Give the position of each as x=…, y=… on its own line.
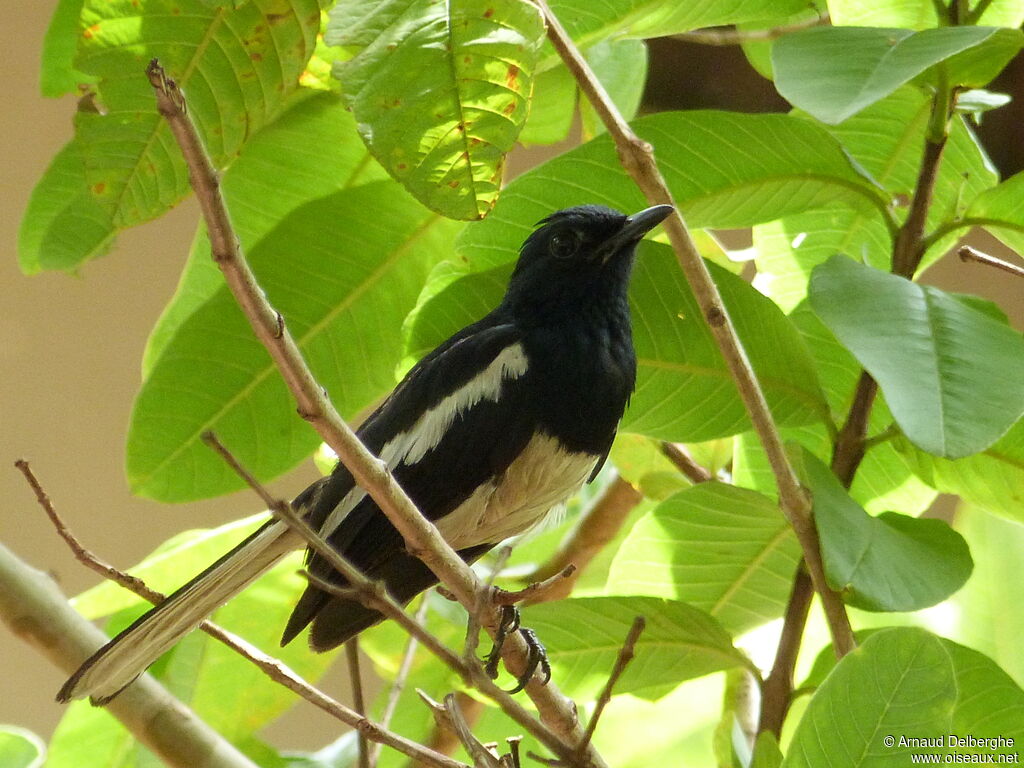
x=501, y=423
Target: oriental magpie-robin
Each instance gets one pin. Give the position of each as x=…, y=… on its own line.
x=501, y=423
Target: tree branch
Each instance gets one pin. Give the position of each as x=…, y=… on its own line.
x=622, y=660
x=270, y=666
x=421, y=537
x=967, y=253
x=373, y=595
x=637, y=158
x=684, y=462
x=851, y=442
x=36, y=611
x=358, y=703
x=721, y=37
x=398, y=684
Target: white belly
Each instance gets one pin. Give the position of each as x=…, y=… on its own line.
x=541, y=478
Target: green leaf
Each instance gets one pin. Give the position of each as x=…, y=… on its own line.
x=952, y=375
x=440, y=91
x=724, y=170
x=588, y=23
x=88, y=735
x=309, y=152
x=891, y=562
x=211, y=678
x=20, y=748
x=834, y=72
x=240, y=63
x=908, y=684
x=57, y=75
x=169, y=566
x=992, y=480
x=552, y=107
x=766, y=751
x=640, y=462
x=990, y=608
x=1001, y=210
x=919, y=14
x=684, y=390
x=63, y=225
x=215, y=375
x=725, y=550
x=583, y=636
x=899, y=683
x=886, y=139
x=885, y=480
x=621, y=66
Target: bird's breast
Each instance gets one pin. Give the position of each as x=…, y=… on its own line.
x=542, y=477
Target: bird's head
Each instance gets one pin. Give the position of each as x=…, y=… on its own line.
x=580, y=252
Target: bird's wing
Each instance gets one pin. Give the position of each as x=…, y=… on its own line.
x=458, y=420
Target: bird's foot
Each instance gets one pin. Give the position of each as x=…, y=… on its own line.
x=536, y=658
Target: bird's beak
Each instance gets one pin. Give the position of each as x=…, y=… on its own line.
x=636, y=226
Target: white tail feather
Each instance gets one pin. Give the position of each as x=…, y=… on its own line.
x=125, y=657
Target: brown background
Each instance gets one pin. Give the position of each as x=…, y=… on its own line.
x=70, y=348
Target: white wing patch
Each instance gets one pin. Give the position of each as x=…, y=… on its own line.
x=426, y=433
x=422, y=437
x=544, y=476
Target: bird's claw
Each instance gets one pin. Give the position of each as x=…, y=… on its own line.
x=537, y=656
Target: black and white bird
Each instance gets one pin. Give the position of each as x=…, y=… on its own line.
x=501, y=423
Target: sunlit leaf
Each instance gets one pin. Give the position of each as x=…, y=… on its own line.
x=440, y=91
x=834, y=72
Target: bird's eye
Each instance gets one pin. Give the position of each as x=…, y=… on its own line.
x=562, y=245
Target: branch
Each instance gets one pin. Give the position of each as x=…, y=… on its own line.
x=637, y=158
x=373, y=595
x=444, y=739
x=421, y=537
x=967, y=253
x=595, y=529
x=270, y=666
x=358, y=703
x=777, y=691
x=685, y=463
x=738, y=37
x=36, y=611
x=852, y=442
x=398, y=684
x=621, y=662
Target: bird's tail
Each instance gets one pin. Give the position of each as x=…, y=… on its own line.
x=106, y=673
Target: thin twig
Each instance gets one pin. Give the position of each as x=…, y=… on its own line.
x=637, y=158
x=738, y=37
x=967, y=253
x=597, y=527
x=621, y=662
x=270, y=666
x=776, y=694
x=851, y=443
x=398, y=684
x=449, y=721
x=358, y=702
x=537, y=591
x=443, y=739
x=685, y=463
x=82, y=554
x=373, y=595
x=421, y=538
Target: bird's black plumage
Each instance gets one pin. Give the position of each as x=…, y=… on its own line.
x=566, y=312
x=497, y=425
